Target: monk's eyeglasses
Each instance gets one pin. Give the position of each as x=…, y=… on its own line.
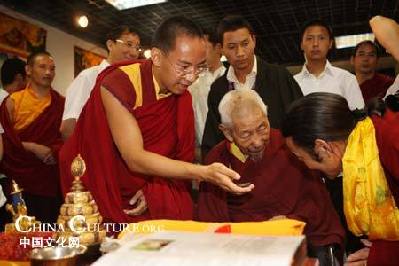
x=187, y=70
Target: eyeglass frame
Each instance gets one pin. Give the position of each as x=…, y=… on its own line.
x=185, y=70
x=130, y=45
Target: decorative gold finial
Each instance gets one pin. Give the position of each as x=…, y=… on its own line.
x=78, y=168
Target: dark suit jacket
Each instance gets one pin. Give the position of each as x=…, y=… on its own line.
x=273, y=83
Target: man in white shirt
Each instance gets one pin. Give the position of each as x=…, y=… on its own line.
x=317, y=74
x=122, y=44
x=200, y=88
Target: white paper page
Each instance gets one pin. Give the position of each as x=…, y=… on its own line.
x=204, y=249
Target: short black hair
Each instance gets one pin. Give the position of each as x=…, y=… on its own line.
x=371, y=43
x=10, y=68
x=118, y=31
x=32, y=56
x=316, y=22
x=165, y=35
x=232, y=23
x=212, y=36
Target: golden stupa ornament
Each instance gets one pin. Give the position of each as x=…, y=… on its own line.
x=79, y=214
x=18, y=209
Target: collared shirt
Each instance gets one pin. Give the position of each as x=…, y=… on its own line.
x=249, y=80
x=79, y=91
x=333, y=80
x=199, y=91
x=394, y=88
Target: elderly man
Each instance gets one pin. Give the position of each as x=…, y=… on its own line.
x=282, y=185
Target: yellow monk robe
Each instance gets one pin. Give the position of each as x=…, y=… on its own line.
x=27, y=107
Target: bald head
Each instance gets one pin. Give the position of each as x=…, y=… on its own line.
x=240, y=103
x=244, y=122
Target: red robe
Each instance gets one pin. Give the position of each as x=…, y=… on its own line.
x=385, y=252
x=167, y=127
x=283, y=186
x=377, y=86
x=34, y=176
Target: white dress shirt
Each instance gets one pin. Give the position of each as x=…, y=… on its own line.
x=79, y=91
x=249, y=80
x=199, y=91
x=394, y=88
x=333, y=80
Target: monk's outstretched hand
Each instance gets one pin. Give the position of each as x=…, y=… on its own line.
x=223, y=177
x=141, y=206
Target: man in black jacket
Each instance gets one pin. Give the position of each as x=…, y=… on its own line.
x=273, y=83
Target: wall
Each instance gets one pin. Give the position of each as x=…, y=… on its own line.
x=61, y=46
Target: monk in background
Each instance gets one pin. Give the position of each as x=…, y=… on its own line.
x=31, y=119
x=283, y=186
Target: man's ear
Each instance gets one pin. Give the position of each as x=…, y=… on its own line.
x=28, y=70
x=226, y=132
x=331, y=44
x=156, y=57
x=321, y=148
x=218, y=48
x=352, y=60
x=109, y=44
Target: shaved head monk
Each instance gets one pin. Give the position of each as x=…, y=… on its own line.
x=31, y=118
x=283, y=186
x=136, y=132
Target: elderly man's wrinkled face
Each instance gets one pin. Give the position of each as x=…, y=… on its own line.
x=250, y=131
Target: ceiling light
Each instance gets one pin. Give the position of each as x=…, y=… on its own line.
x=83, y=21
x=347, y=41
x=126, y=4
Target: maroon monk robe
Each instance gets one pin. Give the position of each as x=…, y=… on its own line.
x=167, y=127
x=283, y=186
x=34, y=176
x=385, y=252
x=377, y=86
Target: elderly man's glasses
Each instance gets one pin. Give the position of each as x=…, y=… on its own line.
x=129, y=45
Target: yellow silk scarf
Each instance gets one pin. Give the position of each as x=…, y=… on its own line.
x=368, y=203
